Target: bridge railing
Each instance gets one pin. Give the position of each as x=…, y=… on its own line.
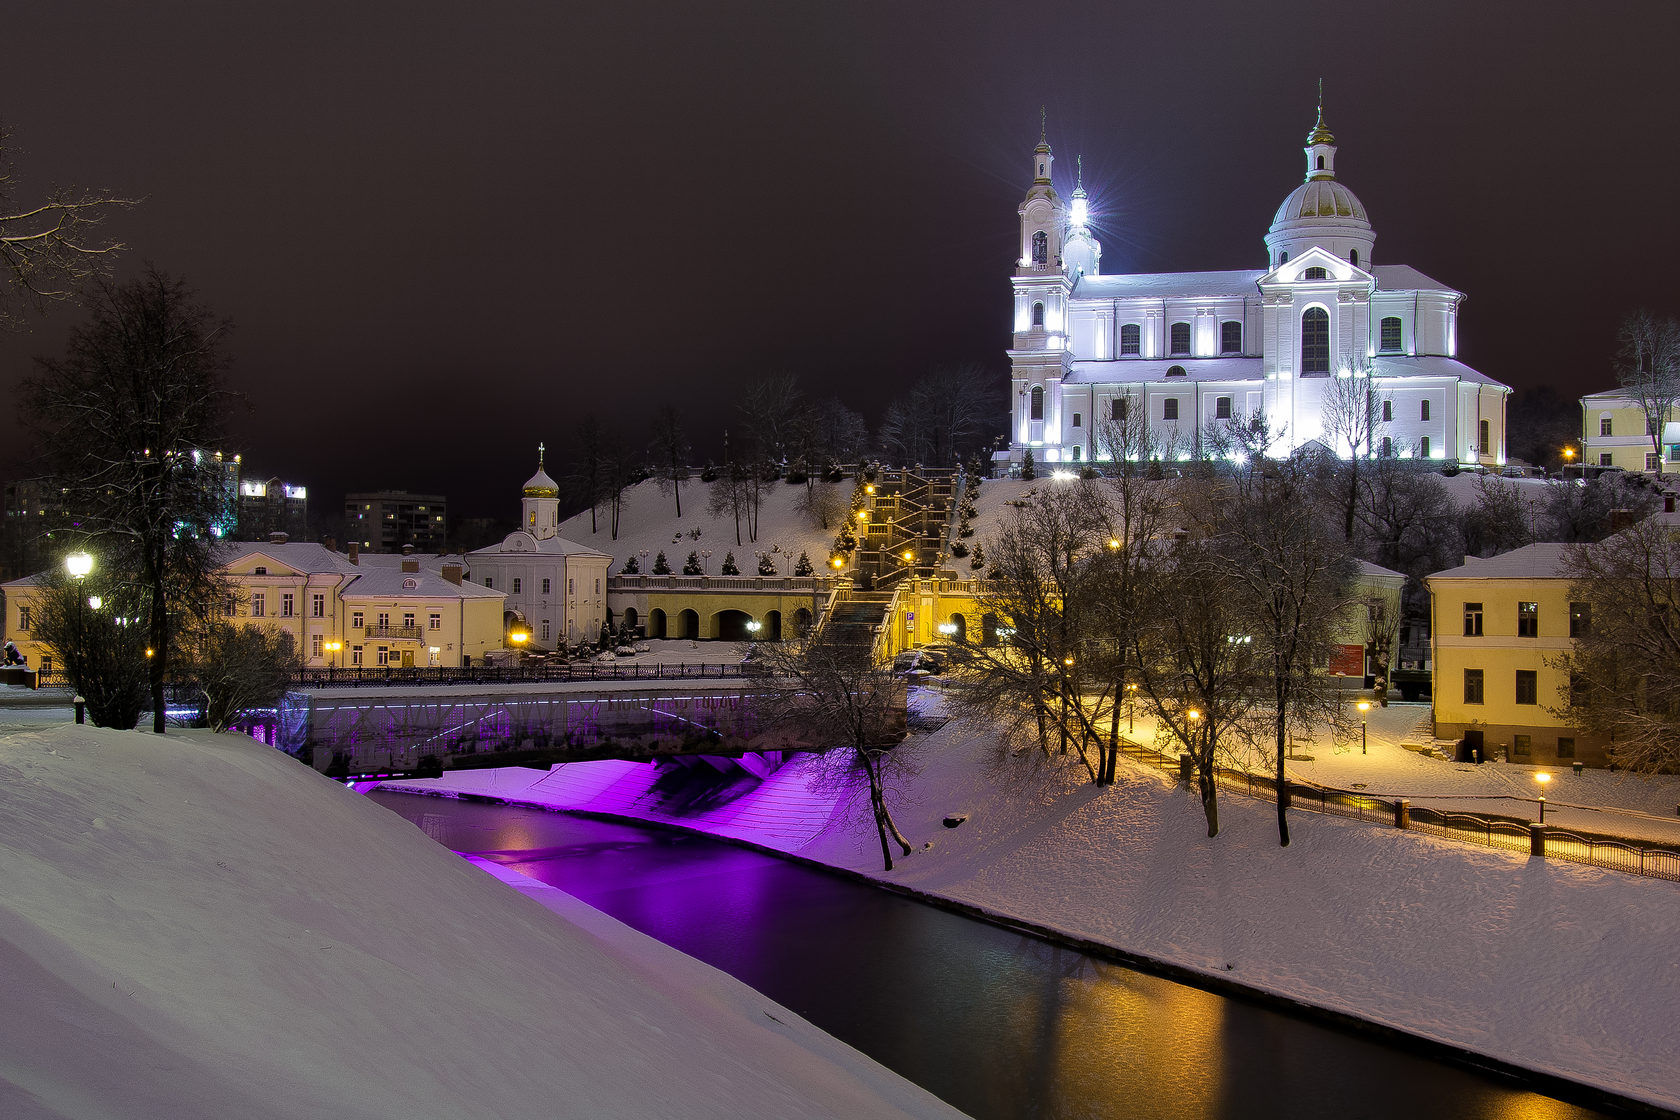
x=518, y=674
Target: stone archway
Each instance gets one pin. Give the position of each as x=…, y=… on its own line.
x=656, y=623
x=772, y=626
x=801, y=622
x=959, y=632
x=631, y=619
x=688, y=624
x=731, y=626
x=988, y=629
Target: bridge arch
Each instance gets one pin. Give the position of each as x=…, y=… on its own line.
x=656, y=623
x=631, y=619
x=960, y=632
x=688, y=623
x=772, y=631
x=801, y=622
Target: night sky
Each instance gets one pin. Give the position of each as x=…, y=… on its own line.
x=445, y=232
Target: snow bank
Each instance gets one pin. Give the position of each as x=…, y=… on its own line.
x=197, y=926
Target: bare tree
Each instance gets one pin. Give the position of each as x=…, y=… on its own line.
x=1498, y=519
x=1647, y=366
x=1574, y=511
x=670, y=450
x=241, y=668
x=51, y=249
x=1349, y=418
x=102, y=649
x=1624, y=667
x=824, y=503
x=833, y=698
x=942, y=417
x=127, y=420
x=586, y=478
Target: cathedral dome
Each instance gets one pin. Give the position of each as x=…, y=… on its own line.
x=1321, y=211
x=541, y=486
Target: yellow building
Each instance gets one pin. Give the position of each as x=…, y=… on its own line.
x=386, y=610
x=1615, y=433
x=1498, y=627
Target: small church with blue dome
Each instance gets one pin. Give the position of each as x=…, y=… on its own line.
x=1190, y=351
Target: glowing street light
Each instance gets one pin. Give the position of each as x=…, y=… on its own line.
x=1364, y=707
x=909, y=556
x=1131, y=706
x=754, y=626
x=78, y=564
x=1542, y=778
x=95, y=602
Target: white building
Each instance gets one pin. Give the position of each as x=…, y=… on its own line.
x=1197, y=348
x=556, y=589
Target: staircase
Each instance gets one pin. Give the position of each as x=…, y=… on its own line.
x=854, y=620
x=910, y=515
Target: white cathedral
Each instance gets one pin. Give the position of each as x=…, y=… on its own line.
x=1195, y=348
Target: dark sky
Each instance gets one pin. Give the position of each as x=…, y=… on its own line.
x=447, y=231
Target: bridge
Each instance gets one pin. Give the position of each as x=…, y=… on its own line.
x=405, y=734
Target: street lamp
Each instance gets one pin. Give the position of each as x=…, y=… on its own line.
x=332, y=649
x=78, y=564
x=1542, y=778
x=1364, y=707
x=753, y=626
x=1131, y=705
x=705, y=561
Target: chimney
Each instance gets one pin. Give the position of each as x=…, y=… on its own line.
x=1620, y=519
x=277, y=538
x=355, y=552
x=408, y=550
x=330, y=543
x=411, y=565
x=452, y=573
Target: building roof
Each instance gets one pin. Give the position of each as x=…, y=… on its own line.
x=521, y=543
x=392, y=583
x=1170, y=285
x=1534, y=561
x=1405, y=278
x=1369, y=570
x=1431, y=365
x=300, y=556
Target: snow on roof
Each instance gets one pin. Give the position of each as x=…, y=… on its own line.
x=1170, y=285
x=300, y=556
x=205, y=927
x=521, y=542
x=1534, y=561
x=649, y=521
x=1405, y=278
x=389, y=582
x=1154, y=371
x=1431, y=365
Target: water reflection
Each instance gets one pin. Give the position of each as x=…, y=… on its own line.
x=998, y=1024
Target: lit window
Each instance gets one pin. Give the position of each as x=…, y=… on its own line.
x=1528, y=620
x=1472, y=686
x=1315, y=341
x=1180, y=338
x=1131, y=339
x=1390, y=333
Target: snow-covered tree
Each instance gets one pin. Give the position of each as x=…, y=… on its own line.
x=692, y=566
x=766, y=566
x=630, y=567
x=803, y=566
x=1647, y=367
x=729, y=567
x=661, y=566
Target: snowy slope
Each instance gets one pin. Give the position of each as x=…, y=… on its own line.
x=197, y=926
x=649, y=520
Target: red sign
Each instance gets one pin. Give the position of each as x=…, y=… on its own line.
x=1348, y=661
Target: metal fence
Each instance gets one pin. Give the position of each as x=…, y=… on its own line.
x=520, y=674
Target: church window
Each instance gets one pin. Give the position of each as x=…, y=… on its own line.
x=1390, y=333
x=1169, y=409
x=1353, y=257
x=490, y=581
x=1076, y=452
x=547, y=584
x=1387, y=451
x=1038, y=315
x=1321, y=163
x=1424, y=409
x=516, y=582
x=1076, y=419
x=1315, y=273
x=1040, y=248
x=1131, y=339
x=1230, y=337
x=1181, y=338
x=1605, y=426
x=1423, y=447
x=1388, y=411
x=1175, y=371
x=1486, y=442
x=1222, y=408
x=1285, y=258
x=1118, y=409
x=1315, y=341
x=1037, y=402
x=545, y=629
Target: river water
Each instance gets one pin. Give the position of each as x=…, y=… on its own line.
x=998, y=1024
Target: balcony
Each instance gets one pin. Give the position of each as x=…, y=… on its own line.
x=396, y=633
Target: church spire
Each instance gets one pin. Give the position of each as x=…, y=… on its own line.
x=1042, y=158
x=1321, y=146
x=1081, y=205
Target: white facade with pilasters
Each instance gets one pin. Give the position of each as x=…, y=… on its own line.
x=1200, y=348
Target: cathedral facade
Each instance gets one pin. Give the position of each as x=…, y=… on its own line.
x=1192, y=351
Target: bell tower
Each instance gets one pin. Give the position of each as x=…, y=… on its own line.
x=540, y=515
x=1039, y=356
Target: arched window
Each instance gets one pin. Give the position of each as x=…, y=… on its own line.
x=1486, y=442
x=1387, y=451
x=1285, y=259
x=1315, y=273
x=1353, y=258
x=1390, y=340
x=1424, y=412
x=1175, y=371
x=1388, y=412
x=1037, y=403
x=1041, y=248
x=1038, y=315
x=1230, y=337
x=1321, y=163
x=1131, y=339
x=1315, y=341
x=1180, y=338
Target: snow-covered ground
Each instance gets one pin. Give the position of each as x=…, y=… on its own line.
x=1544, y=964
x=198, y=927
x=649, y=521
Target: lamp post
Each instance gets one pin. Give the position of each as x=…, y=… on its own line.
x=705, y=561
x=1542, y=778
x=1195, y=719
x=1131, y=706
x=79, y=564
x=1364, y=707
x=644, y=555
